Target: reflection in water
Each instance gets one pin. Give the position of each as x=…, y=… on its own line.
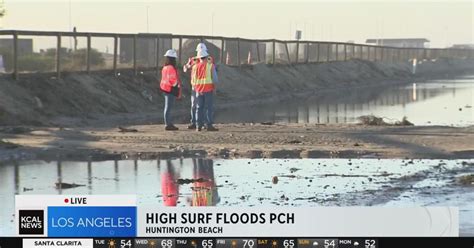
x=60, y=178
x=246, y=182
x=425, y=103
x=169, y=184
x=204, y=190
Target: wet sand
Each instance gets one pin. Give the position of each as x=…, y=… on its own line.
x=240, y=140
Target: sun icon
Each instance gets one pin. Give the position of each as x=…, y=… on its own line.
x=274, y=244
x=234, y=243
x=152, y=243
x=111, y=243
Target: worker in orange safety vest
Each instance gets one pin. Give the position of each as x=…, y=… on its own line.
x=170, y=85
x=203, y=80
x=191, y=61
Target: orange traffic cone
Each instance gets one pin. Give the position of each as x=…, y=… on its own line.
x=249, y=58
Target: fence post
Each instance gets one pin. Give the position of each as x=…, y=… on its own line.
x=353, y=51
x=307, y=53
x=115, y=54
x=221, y=55
x=381, y=53
x=297, y=51
x=15, y=55
x=375, y=53
x=361, y=52
x=319, y=52
x=337, y=52
x=329, y=52
x=288, y=53
x=274, y=53
x=58, y=56
x=88, y=56
x=368, y=53
x=238, y=52
x=157, y=55
x=135, y=68
x=345, y=52
x=258, y=52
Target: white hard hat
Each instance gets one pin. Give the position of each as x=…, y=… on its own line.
x=202, y=54
x=201, y=46
x=171, y=53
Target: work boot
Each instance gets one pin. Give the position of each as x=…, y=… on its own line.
x=212, y=128
x=171, y=128
x=198, y=129
x=192, y=126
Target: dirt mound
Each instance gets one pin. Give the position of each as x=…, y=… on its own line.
x=189, y=49
x=82, y=99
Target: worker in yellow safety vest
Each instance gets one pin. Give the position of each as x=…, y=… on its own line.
x=191, y=61
x=203, y=81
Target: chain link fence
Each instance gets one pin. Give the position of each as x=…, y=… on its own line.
x=57, y=52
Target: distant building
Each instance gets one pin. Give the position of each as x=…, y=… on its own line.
x=408, y=42
x=25, y=46
x=463, y=46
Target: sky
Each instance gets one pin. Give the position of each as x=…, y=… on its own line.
x=443, y=22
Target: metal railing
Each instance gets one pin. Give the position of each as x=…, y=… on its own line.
x=144, y=51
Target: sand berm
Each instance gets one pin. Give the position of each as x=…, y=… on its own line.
x=100, y=98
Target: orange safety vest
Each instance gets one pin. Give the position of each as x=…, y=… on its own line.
x=169, y=76
x=201, y=76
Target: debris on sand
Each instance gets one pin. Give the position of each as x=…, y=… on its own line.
x=372, y=120
x=466, y=180
x=274, y=179
x=288, y=176
x=127, y=130
x=404, y=122
x=188, y=181
x=293, y=170
x=266, y=123
x=294, y=142
x=68, y=185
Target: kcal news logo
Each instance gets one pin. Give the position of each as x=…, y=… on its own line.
x=31, y=222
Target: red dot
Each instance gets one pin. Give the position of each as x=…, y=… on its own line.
x=66, y=200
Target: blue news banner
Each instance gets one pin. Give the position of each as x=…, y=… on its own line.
x=92, y=221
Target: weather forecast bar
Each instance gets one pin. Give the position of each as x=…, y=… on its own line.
x=236, y=242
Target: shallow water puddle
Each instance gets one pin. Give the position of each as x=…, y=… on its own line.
x=248, y=182
x=435, y=102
